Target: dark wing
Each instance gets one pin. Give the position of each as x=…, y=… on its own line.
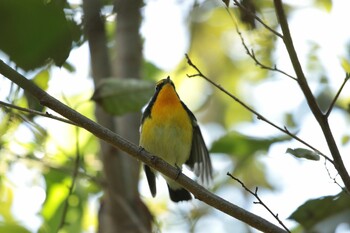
x=151, y=178
x=199, y=160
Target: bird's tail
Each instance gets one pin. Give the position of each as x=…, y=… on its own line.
x=179, y=194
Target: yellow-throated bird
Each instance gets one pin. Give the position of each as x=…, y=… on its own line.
x=170, y=131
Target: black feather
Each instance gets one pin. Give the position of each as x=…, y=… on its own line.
x=180, y=194
x=148, y=110
x=199, y=160
x=151, y=178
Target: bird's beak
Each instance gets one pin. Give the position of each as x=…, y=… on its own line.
x=168, y=80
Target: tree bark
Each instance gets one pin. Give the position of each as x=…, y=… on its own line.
x=121, y=208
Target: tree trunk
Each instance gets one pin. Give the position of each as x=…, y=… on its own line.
x=121, y=208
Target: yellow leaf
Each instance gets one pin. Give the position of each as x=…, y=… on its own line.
x=345, y=64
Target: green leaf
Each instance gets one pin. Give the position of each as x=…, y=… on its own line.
x=304, y=153
x=241, y=145
x=42, y=79
x=345, y=140
x=6, y=199
x=34, y=32
x=345, y=64
x=12, y=227
x=325, y=4
x=330, y=209
x=243, y=150
x=120, y=96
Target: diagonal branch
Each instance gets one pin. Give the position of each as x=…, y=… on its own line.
x=337, y=95
x=258, y=115
x=251, y=53
x=138, y=153
x=31, y=111
x=255, y=194
x=237, y=3
x=320, y=117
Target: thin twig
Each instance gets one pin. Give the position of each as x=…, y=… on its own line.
x=347, y=76
x=258, y=115
x=251, y=53
x=71, y=187
x=260, y=202
x=237, y=3
x=31, y=111
x=333, y=178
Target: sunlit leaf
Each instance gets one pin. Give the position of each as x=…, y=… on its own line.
x=42, y=81
x=55, y=195
x=345, y=64
x=345, y=139
x=120, y=96
x=304, y=153
x=6, y=200
x=13, y=228
x=328, y=208
x=325, y=4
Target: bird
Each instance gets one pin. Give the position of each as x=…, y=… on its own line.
x=170, y=131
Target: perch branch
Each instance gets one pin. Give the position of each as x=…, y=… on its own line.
x=138, y=153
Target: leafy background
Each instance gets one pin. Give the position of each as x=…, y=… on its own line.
x=41, y=187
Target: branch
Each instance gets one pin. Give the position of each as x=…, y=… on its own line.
x=251, y=52
x=255, y=194
x=258, y=115
x=321, y=119
x=31, y=111
x=257, y=62
x=347, y=76
x=237, y=3
x=334, y=179
x=138, y=153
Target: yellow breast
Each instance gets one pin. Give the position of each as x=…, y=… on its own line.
x=168, y=131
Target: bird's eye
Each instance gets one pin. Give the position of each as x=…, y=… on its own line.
x=158, y=86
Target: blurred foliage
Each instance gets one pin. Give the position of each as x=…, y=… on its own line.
x=47, y=32
x=324, y=4
x=244, y=151
x=121, y=96
x=331, y=210
x=34, y=32
x=53, y=155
